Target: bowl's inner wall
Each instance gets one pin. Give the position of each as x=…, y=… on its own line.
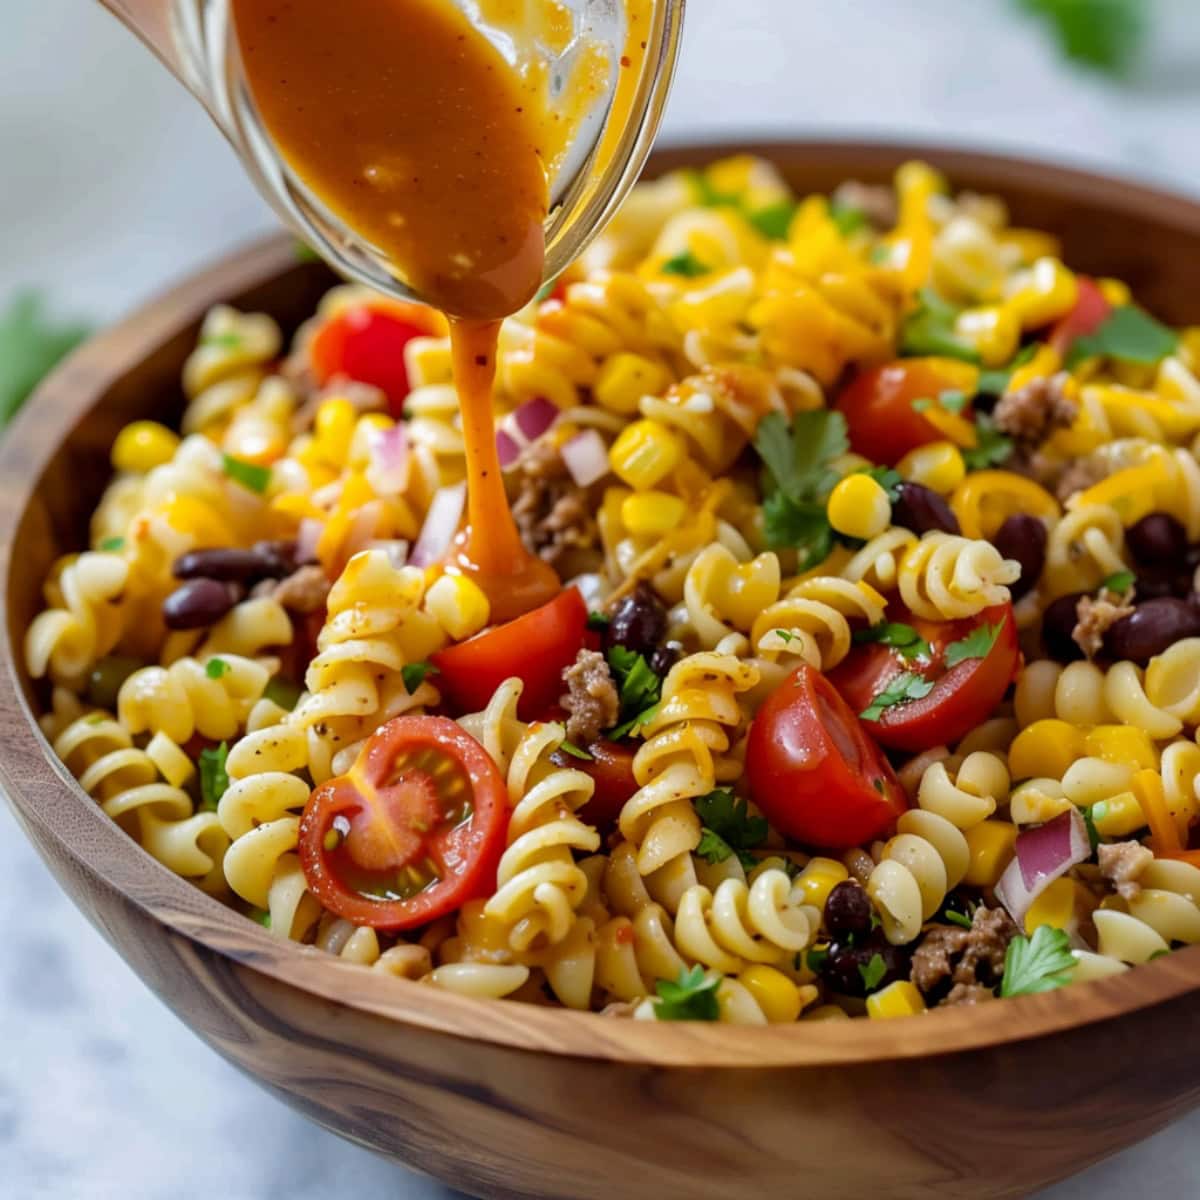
x=1107, y=228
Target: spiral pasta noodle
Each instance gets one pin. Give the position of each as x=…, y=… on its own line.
x=945, y=577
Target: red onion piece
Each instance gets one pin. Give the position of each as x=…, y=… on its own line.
x=441, y=524
x=586, y=457
x=1042, y=856
x=307, y=537
x=362, y=528
x=534, y=417
x=508, y=448
x=388, y=469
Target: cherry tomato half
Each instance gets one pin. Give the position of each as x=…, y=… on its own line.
x=535, y=648
x=1090, y=312
x=611, y=769
x=366, y=342
x=878, y=406
x=814, y=771
x=963, y=696
x=414, y=829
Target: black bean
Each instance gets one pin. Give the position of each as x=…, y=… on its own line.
x=848, y=910
x=1150, y=629
x=227, y=565
x=200, y=602
x=1058, y=624
x=1158, y=540
x=1153, y=583
x=278, y=559
x=638, y=622
x=1023, y=538
x=840, y=970
x=922, y=510
x=665, y=657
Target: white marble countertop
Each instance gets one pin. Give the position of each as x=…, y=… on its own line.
x=111, y=184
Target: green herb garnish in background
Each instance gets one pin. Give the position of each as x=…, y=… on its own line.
x=1105, y=35
x=995, y=382
x=728, y=828
x=957, y=918
x=31, y=345
x=415, y=674
x=685, y=264
x=214, y=782
x=872, y=974
x=249, y=475
x=930, y=330
x=1128, y=335
x=991, y=446
x=774, y=221
x=112, y=545
x=691, y=997
x=1038, y=964
x=638, y=688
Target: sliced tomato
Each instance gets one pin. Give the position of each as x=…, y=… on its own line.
x=813, y=769
x=413, y=831
x=1090, y=312
x=366, y=342
x=963, y=696
x=611, y=769
x=878, y=404
x=535, y=648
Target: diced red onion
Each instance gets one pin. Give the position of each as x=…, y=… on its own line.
x=586, y=457
x=307, y=537
x=388, y=469
x=395, y=548
x=441, y=524
x=507, y=448
x=362, y=528
x=534, y=417
x=1042, y=856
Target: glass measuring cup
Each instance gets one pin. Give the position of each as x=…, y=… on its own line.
x=600, y=159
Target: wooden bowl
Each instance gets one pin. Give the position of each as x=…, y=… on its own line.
x=501, y=1099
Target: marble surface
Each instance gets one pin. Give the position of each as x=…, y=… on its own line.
x=111, y=184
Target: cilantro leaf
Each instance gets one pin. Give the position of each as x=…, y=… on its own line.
x=931, y=330
x=31, y=345
x=261, y=916
x=1102, y=34
x=598, y=621
x=225, y=341
x=249, y=475
x=897, y=635
x=813, y=958
x=1089, y=821
x=977, y=644
x=957, y=918
x=849, y=218
x=953, y=400
x=415, y=674
x=1120, y=582
x=214, y=782
x=992, y=447
x=731, y=828
x=713, y=848
x=1128, y=335
x=774, y=221
x=215, y=668
x=1038, y=964
x=873, y=973
x=638, y=688
x=113, y=544
x=887, y=478
x=995, y=382
x=569, y=747
x=803, y=526
x=691, y=997
x=904, y=687
x=708, y=196
x=685, y=264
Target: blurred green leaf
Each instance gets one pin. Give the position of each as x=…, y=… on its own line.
x=31, y=344
x=1103, y=34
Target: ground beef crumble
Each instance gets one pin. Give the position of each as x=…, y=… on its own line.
x=303, y=591
x=1096, y=615
x=1121, y=863
x=1031, y=413
x=876, y=201
x=1078, y=477
x=552, y=512
x=970, y=960
x=591, y=699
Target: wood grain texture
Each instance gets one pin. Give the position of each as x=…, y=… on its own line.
x=502, y=1099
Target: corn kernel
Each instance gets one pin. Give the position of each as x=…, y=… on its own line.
x=334, y=427
x=819, y=877
x=859, y=507
x=1056, y=907
x=936, y=465
x=1115, y=291
x=646, y=453
x=991, y=845
x=993, y=330
x=1121, y=744
x=1046, y=749
x=1038, y=801
x=652, y=513
x=1118, y=816
x=1044, y=293
x=142, y=446
x=174, y=766
x=777, y=996
x=188, y=515
x=625, y=378
x=458, y=605
x=899, y=999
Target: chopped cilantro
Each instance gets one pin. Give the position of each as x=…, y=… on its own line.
x=223, y=341
x=931, y=330
x=685, y=264
x=31, y=344
x=995, y=382
x=262, y=917
x=952, y=400
x=1128, y=335
x=1089, y=821
x=785, y=635
x=904, y=687
x=113, y=544
x=873, y=973
x=415, y=674
x=991, y=448
x=814, y=958
x=888, y=479
x=899, y=636
x=1038, y=964
x=691, y=997
x=1102, y=34
x=880, y=256
x=1120, y=582
x=568, y=747
x=728, y=828
x=977, y=644
x=638, y=688
x=957, y=918
x=598, y=621
x=708, y=196
x=775, y=220
x=249, y=475
x=849, y=218
x=800, y=524
x=213, y=780
x=215, y=668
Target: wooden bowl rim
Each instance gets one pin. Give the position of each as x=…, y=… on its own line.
x=43, y=792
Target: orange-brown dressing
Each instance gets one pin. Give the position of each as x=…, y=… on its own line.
x=411, y=127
